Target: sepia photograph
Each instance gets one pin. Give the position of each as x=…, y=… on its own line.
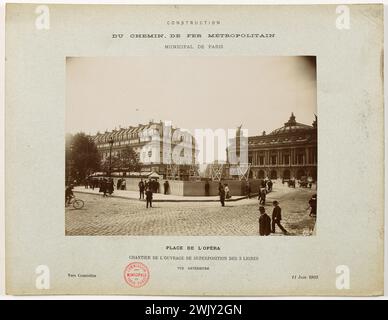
x=191, y=146
x=181, y=146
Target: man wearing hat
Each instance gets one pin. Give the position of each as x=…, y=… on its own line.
x=277, y=217
x=264, y=222
x=313, y=206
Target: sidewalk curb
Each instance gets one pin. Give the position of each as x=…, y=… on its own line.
x=169, y=200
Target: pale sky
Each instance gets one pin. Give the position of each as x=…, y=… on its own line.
x=193, y=92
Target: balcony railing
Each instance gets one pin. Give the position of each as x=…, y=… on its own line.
x=283, y=165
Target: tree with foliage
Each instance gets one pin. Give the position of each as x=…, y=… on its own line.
x=82, y=157
x=111, y=163
x=129, y=160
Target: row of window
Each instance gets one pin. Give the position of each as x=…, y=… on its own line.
x=117, y=154
x=273, y=160
x=128, y=136
x=142, y=135
x=279, y=140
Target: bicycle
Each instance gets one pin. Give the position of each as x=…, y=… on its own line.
x=77, y=203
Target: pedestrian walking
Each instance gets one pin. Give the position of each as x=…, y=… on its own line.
x=222, y=194
x=220, y=187
x=119, y=184
x=264, y=222
x=149, y=197
x=141, y=189
x=123, y=184
x=277, y=217
x=313, y=206
x=262, y=196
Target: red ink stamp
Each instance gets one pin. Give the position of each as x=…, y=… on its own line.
x=136, y=274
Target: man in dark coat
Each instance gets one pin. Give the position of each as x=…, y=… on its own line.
x=313, y=206
x=262, y=196
x=264, y=222
x=141, y=189
x=220, y=187
x=110, y=186
x=222, y=194
x=277, y=217
x=149, y=197
x=166, y=186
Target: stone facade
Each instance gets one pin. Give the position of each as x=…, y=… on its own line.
x=287, y=152
x=152, y=142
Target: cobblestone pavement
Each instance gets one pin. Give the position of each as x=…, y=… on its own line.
x=116, y=216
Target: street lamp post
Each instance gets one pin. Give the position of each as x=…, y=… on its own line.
x=110, y=155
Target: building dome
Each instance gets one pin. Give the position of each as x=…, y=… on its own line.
x=291, y=126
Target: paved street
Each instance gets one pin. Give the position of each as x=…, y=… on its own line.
x=118, y=216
